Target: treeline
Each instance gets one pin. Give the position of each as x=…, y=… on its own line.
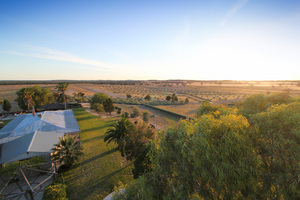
x=110, y=82
x=248, y=152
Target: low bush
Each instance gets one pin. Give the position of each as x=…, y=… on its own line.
x=55, y=191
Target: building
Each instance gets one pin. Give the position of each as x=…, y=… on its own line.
x=31, y=135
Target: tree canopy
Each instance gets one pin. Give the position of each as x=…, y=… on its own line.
x=34, y=96
x=6, y=105
x=224, y=155
x=98, y=98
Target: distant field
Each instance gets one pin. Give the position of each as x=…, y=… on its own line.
x=160, y=120
x=102, y=167
x=188, y=110
x=9, y=91
x=195, y=91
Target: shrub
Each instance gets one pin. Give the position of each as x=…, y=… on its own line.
x=56, y=191
x=136, y=111
x=119, y=111
x=146, y=116
x=126, y=114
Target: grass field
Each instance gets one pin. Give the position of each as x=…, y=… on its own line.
x=102, y=167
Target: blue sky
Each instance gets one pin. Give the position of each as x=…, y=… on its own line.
x=149, y=39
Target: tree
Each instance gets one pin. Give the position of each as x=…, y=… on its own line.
x=186, y=101
x=146, y=116
x=117, y=132
x=174, y=97
x=216, y=110
x=33, y=96
x=79, y=97
x=119, y=110
x=67, y=151
x=28, y=93
x=6, y=105
x=128, y=96
x=108, y=105
x=207, y=158
x=63, y=87
x=143, y=161
x=99, y=108
x=257, y=103
x=277, y=143
x=136, y=111
x=168, y=98
x=138, y=135
x=98, y=98
x=147, y=97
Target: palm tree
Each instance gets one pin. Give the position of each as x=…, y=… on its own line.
x=62, y=87
x=67, y=151
x=27, y=97
x=117, y=132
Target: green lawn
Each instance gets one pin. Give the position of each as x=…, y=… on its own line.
x=102, y=167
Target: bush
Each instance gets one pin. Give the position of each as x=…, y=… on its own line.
x=146, y=116
x=56, y=191
x=119, y=111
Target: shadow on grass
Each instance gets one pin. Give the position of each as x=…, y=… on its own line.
x=95, y=158
x=105, y=184
x=99, y=137
x=87, y=117
x=98, y=128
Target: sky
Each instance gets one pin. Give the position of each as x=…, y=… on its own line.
x=150, y=39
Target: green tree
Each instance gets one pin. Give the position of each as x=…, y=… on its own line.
x=216, y=110
x=136, y=111
x=148, y=97
x=277, y=143
x=174, y=97
x=119, y=110
x=98, y=98
x=67, y=151
x=33, y=96
x=79, y=97
x=128, y=96
x=143, y=161
x=138, y=135
x=6, y=105
x=117, y=132
x=186, y=101
x=63, y=87
x=146, y=116
x=209, y=158
x=257, y=103
x=108, y=105
x=99, y=108
x=168, y=98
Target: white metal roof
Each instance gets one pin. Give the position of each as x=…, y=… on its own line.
x=27, y=135
x=47, y=121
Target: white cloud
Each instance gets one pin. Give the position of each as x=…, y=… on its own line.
x=239, y=4
x=50, y=54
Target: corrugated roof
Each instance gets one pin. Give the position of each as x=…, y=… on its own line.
x=44, y=141
x=15, y=148
x=35, y=134
x=51, y=121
